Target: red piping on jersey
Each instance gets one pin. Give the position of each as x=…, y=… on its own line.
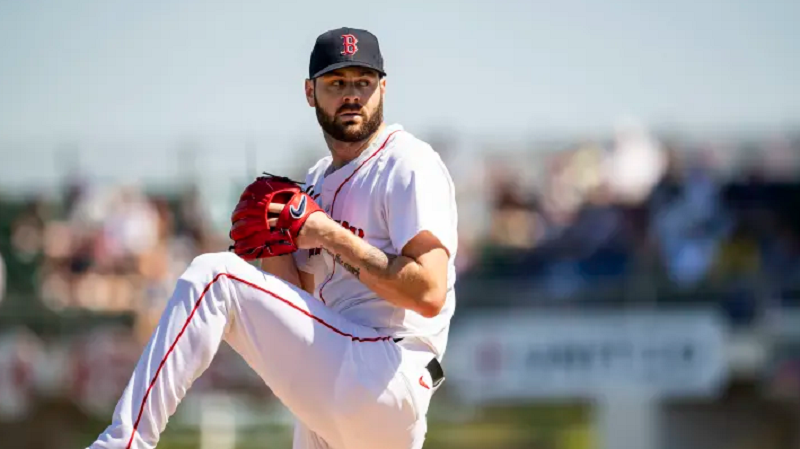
x=197, y=305
x=333, y=271
x=333, y=203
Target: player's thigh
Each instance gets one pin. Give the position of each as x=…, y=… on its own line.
x=317, y=362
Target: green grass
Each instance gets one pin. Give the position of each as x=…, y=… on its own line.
x=534, y=427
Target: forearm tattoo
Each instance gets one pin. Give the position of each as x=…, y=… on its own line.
x=375, y=262
x=355, y=271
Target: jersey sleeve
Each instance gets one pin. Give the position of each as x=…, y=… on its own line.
x=420, y=197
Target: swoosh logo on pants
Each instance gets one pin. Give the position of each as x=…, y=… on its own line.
x=297, y=213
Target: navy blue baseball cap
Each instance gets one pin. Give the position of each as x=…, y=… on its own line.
x=345, y=47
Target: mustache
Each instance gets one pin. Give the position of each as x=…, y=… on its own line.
x=350, y=108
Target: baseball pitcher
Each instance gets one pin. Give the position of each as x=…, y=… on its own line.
x=348, y=318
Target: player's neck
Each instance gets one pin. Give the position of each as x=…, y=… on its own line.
x=344, y=152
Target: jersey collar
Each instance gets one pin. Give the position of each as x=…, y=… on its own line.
x=333, y=180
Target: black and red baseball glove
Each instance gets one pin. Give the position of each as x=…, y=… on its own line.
x=250, y=230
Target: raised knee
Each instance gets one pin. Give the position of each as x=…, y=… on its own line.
x=218, y=262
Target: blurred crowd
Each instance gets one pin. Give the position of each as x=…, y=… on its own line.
x=633, y=218
x=639, y=219
x=105, y=249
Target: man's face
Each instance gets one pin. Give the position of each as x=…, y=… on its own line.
x=349, y=102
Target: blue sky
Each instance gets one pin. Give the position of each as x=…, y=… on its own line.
x=127, y=81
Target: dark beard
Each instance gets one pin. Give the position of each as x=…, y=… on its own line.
x=350, y=133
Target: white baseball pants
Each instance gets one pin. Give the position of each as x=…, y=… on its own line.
x=348, y=386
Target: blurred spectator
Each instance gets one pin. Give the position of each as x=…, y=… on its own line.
x=689, y=223
x=27, y=230
x=738, y=256
x=2, y=278
x=781, y=253
x=635, y=163
x=515, y=224
x=131, y=227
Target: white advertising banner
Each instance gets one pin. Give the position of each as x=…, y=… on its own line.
x=513, y=355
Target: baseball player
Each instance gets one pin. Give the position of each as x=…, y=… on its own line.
x=347, y=319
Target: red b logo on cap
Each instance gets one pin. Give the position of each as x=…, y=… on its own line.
x=349, y=42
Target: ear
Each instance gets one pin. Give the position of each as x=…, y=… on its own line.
x=382, y=83
x=309, y=88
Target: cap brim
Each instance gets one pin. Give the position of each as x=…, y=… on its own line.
x=341, y=65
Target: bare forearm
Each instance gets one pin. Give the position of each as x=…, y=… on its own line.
x=397, y=279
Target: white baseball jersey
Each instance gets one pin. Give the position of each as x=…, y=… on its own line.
x=395, y=189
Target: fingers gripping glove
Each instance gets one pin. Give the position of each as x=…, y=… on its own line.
x=250, y=231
